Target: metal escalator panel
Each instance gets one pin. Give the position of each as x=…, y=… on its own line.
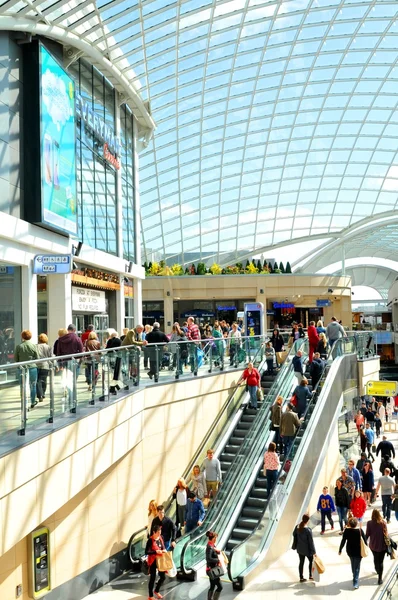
x=292, y=490
x=232, y=490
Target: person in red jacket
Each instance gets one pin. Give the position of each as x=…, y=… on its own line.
x=253, y=380
x=358, y=506
x=313, y=339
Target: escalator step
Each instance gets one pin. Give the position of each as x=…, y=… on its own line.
x=261, y=483
x=247, y=523
x=236, y=441
x=253, y=512
x=229, y=449
x=256, y=502
x=227, y=458
x=241, y=533
x=259, y=493
x=247, y=418
x=243, y=425
x=232, y=542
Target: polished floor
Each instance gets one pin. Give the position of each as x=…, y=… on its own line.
x=280, y=581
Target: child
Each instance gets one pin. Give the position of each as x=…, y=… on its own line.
x=395, y=501
x=377, y=424
x=326, y=506
x=269, y=357
x=358, y=506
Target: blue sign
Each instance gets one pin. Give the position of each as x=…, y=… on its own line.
x=283, y=305
x=58, y=145
x=52, y=264
x=321, y=303
x=226, y=308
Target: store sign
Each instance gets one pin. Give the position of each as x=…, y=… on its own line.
x=88, y=300
x=381, y=388
x=110, y=158
x=58, y=145
x=322, y=303
x=283, y=305
x=52, y=264
x=6, y=270
x=226, y=308
x=97, y=125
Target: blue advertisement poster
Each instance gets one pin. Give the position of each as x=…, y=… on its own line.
x=58, y=145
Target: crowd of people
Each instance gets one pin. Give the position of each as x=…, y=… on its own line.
x=355, y=491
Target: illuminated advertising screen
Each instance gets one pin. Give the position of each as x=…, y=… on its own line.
x=57, y=145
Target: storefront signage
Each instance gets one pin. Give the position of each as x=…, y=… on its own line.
x=283, y=305
x=52, y=264
x=226, y=308
x=97, y=125
x=381, y=388
x=110, y=158
x=58, y=146
x=196, y=312
x=39, y=563
x=86, y=300
x=6, y=270
x=321, y=303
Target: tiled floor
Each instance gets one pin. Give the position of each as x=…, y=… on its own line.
x=280, y=581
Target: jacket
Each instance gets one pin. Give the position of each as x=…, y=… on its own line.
x=341, y=497
x=168, y=528
x=212, y=558
x=253, y=378
x=69, y=343
x=269, y=353
x=355, y=474
x=297, y=363
x=302, y=394
x=313, y=336
x=156, y=337
x=385, y=448
x=322, y=349
x=316, y=368
x=375, y=535
x=276, y=414
x=289, y=423
x=132, y=338
x=44, y=351
x=352, y=537
x=194, y=511
x=113, y=342
x=358, y=507
x=387, y=464
x=277, y=342
x=303, y=541
x=26, y=351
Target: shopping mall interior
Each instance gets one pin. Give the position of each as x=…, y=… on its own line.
x=198, y=221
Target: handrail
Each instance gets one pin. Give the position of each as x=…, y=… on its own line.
x=130, y=542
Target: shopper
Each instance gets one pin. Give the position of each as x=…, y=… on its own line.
x=177, y=335
x=212, y=561
x=253, y=382
x=235, y=339
x=180, y=495
x=91, y=371
x=270, y=358
x=387, y=486
x=313, y=339
x=342, y=500
x=155, y=547
x=352, y=537
x=297, y=363
x=348, y=483
x=354, y=473
x=386, y=463
x=277, y=344
x=276, y=414
x=24, y=352
x=114, y=341
x=212, y=472
x=320, y=328
x=152, y=514
x=368, y=481
x=376, y=531
x=316, y=369
x=303, y=542
x=271, y=467
x=43, y=368
x=323, y=346
x=326, y=507
x=303, y=394
x=194, y=512
x=361, y=462
x=358, y=506
x=370, y=438
x=288, y=428
x=395, y=501
x=85, y=334
x=198, y=482
x=68, y=343
x=385, y=448
x=157, y=340
x=334, y=331
x=167, y=526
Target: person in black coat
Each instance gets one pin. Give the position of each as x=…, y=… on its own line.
x=342, y=502
x=385, y=448
x=303, y=542
x=316, y=369
x=213, y=560
x=352, y=536
x=277, y=342
x=155, y=352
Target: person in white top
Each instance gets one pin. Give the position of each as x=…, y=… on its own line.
x=181, y=496
x=382, y=413
x=390, y=407
x=152, y=513
x=234, y=338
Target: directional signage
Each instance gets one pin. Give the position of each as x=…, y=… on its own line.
x=39, y=563
x=381, y=388
x=52, y=264
x=322, y=302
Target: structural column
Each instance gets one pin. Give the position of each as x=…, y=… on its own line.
x=137, y=301
x=29, y=302
x=120, y=307
x=59, y=304
x=168, y=311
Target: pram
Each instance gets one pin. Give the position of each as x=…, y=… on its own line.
x=167, y=361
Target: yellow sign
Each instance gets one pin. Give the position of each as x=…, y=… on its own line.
x=39, y=563
x=381, y=388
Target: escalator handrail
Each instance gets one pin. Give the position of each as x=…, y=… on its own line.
x=286, y=458
x=263, y=432
x=199, y=451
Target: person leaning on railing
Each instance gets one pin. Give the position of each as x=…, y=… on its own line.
x=24, y=352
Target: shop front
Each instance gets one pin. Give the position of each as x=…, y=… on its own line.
x=284, y=314
x=10, y=311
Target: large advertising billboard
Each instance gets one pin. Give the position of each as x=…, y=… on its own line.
x=58, y=145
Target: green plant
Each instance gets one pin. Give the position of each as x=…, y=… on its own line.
x=186, y=271
x=247, y=263
x=251, y=269
x=154, y=269
x=270, y=267
x=177, y=269
x=281, y=267
x=288, y=267
x=201, y=269
x=259, y=267
x=215, y=269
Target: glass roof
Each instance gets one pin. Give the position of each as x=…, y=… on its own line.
x=277, y=120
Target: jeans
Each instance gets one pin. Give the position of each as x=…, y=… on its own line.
x=193, y=358
x=32, y=374
x=386, y=506
x=154, y=367
x=151, y=583
x=233, y=349
x=355, y=566
x=42, y=375
x=253, y=395
x=190, y=526
x=342, y=512
x=271, y=476
x=215, y=582
x=287, y=443
x=270, y=366
x=369, y=449
x=91, y=371
x=378, y=558
x=278, y=440
x=324, y=514
x=301, y=565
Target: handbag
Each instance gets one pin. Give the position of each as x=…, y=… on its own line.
x=164, y=562
x=215, y=573
x=225, y=557
x=293, y=400
x=144, y=565
x=173, y=571
x=319, y=564
x=260, y=394
x=373, y=447
x=364, y=548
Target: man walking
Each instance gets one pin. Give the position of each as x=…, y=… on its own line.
x=386, y=484
x=168, y=528
x=212, y=470
x=385, y=448
x=193, y=334
x=370, y=438
x=353, y=472
x=155, y=352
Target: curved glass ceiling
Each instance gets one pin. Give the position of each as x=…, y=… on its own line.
x=276, y=120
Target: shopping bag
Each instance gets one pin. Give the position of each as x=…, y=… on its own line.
x=260, y=394
x=164, y=562
x=200, y=357
x=364, y=548
x=373, y=447
x=315, y=572
x=144, y=565
x=293, y=400
x=319, y=564
x=173, y=571
x=281, y=357
x=224, y=557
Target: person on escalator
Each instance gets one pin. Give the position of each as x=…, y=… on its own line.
x=297, y=363
x=302, y=393
x=253, y=382
x=194, y=513
x=288, y=428
x=271, y=467
x=313, y=339
x=212, y=470
x=275, y=415
x=269, y=357
x=155, y=547
x=212, y=562
x=316, y=369
x=167, y=526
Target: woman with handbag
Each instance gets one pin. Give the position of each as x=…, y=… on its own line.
x=356, y=547
x=276, y=414
x=271, y=467
x=155, y=547
x=213, y=567
x=303, y=542
x=180, y=494
x=253, y=382
x=376, y=533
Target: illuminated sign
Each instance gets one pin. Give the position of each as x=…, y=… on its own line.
x=321, y=303
x=55, y=264
x=110, y=158
x=58, y=146
x=283, y=305
x=97, y=125
x=39, y=563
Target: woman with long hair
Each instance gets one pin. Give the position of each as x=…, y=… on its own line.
x=152, y=513
x=177, y=335
x=198, y=482
x=303, y=542
x=155, y=547
x=368, y=481
x=213, y=560
x=271, y=467
x=180, y=494
x=322, y=346
x=352, y=537
x=376, y=532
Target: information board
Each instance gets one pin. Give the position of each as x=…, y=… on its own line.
x=88, y=301
x=381, y=388
x=254, y=318
x=52, y=264
x=39, y=559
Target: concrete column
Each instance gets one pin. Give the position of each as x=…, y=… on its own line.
x=168, y=311
x=263, y=300
x=119, y=189
x=29, y=301
x=120, y=307
x=137, y=301
x=59, y=304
